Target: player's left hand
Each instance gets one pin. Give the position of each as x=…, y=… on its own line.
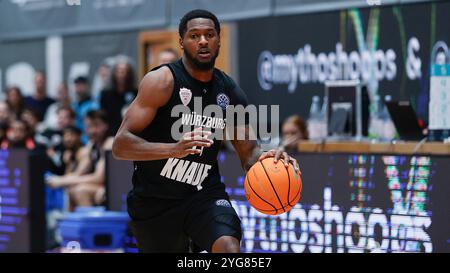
x=278, y=154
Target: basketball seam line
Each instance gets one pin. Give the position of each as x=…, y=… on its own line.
x=292, y=206
x=295, y=197
x=248, y=181
x=270, y=180
x=289, y=186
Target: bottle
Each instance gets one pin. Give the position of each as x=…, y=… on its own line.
x=314, y=119
x=323, y=118
x=389, y=131
x=372, y=110
x=375, y=123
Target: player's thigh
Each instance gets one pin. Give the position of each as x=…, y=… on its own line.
x=210, y=221
x=156, y=236
x=157, y=225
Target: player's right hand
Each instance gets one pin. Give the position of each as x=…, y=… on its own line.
x=192, y=143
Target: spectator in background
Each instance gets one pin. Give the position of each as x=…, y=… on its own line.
x=52, y=138
x=119, y=96
x=63, y=99
x=293, y=132
x=101, y=78
x=3, y=130
x=84, y=102
x=15, y=100
x=31, y=117
x=18, y=136
x=39, y=100
x=166, y=56
x=86, y=183
x=5, y=119
x=5, y=113
x=72, y=148
x=64, y=158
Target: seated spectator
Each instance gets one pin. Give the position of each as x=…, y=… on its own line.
x=72, y=147
x=65, y=157
x=121, y=93
x=293, y=131
x=84, y=103
x=5, y=119
x=52, y=138
x=5, y=113
x=39, y=101
x=86, y=185
x=63, y=99
x=68, y=158
x=101, y=78
x=18, y=136
x=31, y=117
x=15, y=101
x=3, y=130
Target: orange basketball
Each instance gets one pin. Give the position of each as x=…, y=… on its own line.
x=271, y=188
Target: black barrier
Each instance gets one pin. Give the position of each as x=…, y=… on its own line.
x=22, y=203
x=349, y=203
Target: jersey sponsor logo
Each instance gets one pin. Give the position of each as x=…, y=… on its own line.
x=223, y=203
x=223, y=100
x=194, y=119
x=186, y=171
x=185, y=96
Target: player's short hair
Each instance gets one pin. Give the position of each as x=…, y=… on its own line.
x=197, y=13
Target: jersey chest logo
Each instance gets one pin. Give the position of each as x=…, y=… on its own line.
x=185, y=96
x=223, y=101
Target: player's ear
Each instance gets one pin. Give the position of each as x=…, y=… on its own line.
x=181, y=43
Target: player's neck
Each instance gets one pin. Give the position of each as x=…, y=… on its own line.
x=200, y=75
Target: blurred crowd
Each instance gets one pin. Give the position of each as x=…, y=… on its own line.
x=74, y=134
x=73, y=130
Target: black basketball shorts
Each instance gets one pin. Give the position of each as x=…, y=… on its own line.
x=172, y=225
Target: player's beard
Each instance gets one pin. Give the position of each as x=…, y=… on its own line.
x=204, y=66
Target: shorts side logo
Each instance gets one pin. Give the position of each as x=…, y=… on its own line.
x=223, y=203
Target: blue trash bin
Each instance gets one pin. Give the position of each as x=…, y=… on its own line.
x=94, y=228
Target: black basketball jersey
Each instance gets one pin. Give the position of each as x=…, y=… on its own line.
x=181, y=177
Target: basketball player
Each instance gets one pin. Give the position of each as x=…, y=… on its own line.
x=177, y=195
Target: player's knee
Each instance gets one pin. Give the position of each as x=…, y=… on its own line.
x=226, y=244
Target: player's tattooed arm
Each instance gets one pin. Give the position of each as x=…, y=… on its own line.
x=249, y=151
x=155, y=91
